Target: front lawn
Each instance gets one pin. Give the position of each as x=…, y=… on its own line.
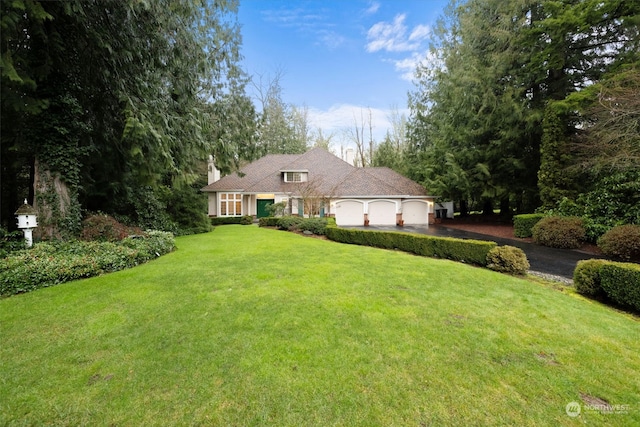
x=253, y=326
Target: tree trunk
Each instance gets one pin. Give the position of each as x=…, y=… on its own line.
x=51, y=200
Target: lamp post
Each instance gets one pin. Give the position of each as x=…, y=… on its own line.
x=27, y=221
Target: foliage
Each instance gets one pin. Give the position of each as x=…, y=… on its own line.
x=618, y=282
x=559, y=232
x=508, y=259
x=621, y=282
x=611, y=108
x=228, y=220
x=187, y=208
x=11, y=242
x=276, y=209
x=268, y=221
x=469, y=251
x=282, y=128
x=290, y=223
x=586, y=277
x=317, y=226
x=621, y=242
x=522, y=224
x=106, y=102
x=104, y=228
x=48, y=264
x=554, y=182
x=483, y=99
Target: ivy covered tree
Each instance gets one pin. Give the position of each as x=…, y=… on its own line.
x=101, y=99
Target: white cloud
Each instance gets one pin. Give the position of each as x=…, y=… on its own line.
x=420, y=32
x=373, y=8
x=391, y=37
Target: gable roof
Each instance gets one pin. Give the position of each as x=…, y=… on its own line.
x=329, y=175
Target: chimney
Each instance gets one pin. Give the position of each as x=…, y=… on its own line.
x=350, y=156
x=213, y=174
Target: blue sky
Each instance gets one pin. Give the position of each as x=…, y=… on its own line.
x=339, y=57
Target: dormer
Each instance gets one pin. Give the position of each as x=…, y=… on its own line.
x=295, y=175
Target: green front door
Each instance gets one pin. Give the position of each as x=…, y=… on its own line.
x=262, y=207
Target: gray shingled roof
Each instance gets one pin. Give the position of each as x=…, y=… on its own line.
x=331, y=176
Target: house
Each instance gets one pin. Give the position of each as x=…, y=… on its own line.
x=317, y=183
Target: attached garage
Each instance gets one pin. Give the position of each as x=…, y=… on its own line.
x=349, y=212
x=415, y=212
x=382, y=212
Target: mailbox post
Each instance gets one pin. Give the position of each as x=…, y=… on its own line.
x=27, y=221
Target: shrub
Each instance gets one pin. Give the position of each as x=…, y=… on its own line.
x=559, y=232
x=268, y=221
x=315, y=225
x=105, y=228
x=508, y=259
x=11, y=242
x=48, y=264
x=276, y=209
x=228, y=220
x=470, y=251
x=622, y=242
x=621, y=282
x=522, y=224
x=290, y=223
x=586, y=278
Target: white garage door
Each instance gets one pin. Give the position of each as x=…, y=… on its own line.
x=349, y=212
x=382, y=212
x=415, y=212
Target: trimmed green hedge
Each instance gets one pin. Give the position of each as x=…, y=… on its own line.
x=621, y=283
x=522, y=224
x=48, y=264
x=294, y=223
x=469, y=251
x=586, y=277
x=227, y=220
x=268, y=221
x=618, y=281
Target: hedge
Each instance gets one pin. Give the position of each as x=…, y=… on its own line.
x=227, y=220
x=294, y=223
x=48, y=264
x=522, y=224
x=469, y=251
x=621, y=283
x=618, y=281
x=564, y=232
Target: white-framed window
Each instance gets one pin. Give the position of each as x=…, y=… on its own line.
x=293, y=177
x=230, y=204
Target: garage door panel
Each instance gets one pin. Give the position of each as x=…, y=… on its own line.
x=415, y=213
x=382, y=212
x=349, y=212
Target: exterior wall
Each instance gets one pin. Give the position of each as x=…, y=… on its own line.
x=213, y=204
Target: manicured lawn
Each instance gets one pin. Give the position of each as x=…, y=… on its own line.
x=249, y=326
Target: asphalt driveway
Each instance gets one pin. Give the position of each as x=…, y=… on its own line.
x=551, y=261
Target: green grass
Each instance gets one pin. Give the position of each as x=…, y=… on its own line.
x=250, y=326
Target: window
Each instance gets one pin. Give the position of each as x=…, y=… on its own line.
x=230, y=204
x=293, y=177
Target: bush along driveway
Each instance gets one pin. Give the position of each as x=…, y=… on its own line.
x=549, y=261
